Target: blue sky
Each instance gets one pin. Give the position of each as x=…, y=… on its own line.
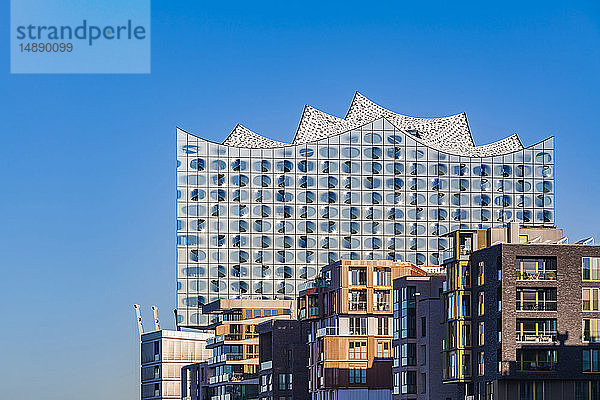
x=88, y=171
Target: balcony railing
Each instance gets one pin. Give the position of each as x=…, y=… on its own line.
x=536, y=365
x=533, y=337
x=316, y=283
x=539, y=306
x=536, y=276
x=327, y=331
x=358, y=306
x=383, y=306
x=266, y=365
x=313, y=311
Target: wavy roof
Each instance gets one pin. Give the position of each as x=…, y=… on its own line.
x=449, y=134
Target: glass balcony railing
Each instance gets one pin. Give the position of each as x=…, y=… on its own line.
x=536, y=365
x=327, y=331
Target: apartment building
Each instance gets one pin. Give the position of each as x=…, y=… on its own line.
x=283, y=356
x=521, y=317
x=232, y=371
x=163, y=354
x=417, y=337
x=349, y=308
x=194, y=382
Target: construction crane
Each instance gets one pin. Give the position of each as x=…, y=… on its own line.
x=155, y=311
x=139, y=319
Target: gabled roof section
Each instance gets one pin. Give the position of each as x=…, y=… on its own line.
x=448, y=134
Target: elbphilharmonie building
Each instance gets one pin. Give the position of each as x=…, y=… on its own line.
x=256, y=218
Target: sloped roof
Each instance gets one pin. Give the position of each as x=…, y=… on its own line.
x=449, y=134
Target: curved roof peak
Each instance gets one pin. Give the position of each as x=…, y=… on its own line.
x=449, y=134
x=241, y=136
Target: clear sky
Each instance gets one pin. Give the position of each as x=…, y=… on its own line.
x=87, y=198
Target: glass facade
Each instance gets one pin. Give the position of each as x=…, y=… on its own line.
x=259, y=222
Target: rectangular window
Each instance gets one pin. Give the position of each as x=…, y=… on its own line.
x=480, y=304
x=408, y=354
x=591, y=330
x=358, y=325
x=590, y=299
x=481, y=334
x=481, y=274
x=531, y=390
x=466, y=364
x=408, y=320
x=282, y=384
x=423, y=383
x=481, y=363
x=381, y=276
x=590, y=268
x=357, y=351
x=591, y=360
x=409, y=382
x=466, y=304
x=285, y=381
x=381, y=300
x=383, y=326
x=357, y=276
x=423, y=354
x=383, y=349
x=157, y=350
x=536, y=269
x=423, y=327
x=465, y=334
x=357, y=375
x=357, y=300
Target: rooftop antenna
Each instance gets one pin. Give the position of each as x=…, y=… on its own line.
x=155, y=311
x=564, y=240
x=589, y=240
x=176, y=321
x=139, y=319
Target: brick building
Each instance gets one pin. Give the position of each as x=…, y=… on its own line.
x=522, y=315
x=283, y=356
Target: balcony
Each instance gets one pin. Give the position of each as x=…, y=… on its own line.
x=266, y=365
x=327, y=331
x=224, y=357
x=358, y=306
x=536, y=276
x=536, y=306
x=222, y=397
x=536, y=365
x=313, y=312
x=383, y=306
x=533, y=337
x=316, y=283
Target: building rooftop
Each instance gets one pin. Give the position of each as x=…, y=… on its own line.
x=449, y=134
